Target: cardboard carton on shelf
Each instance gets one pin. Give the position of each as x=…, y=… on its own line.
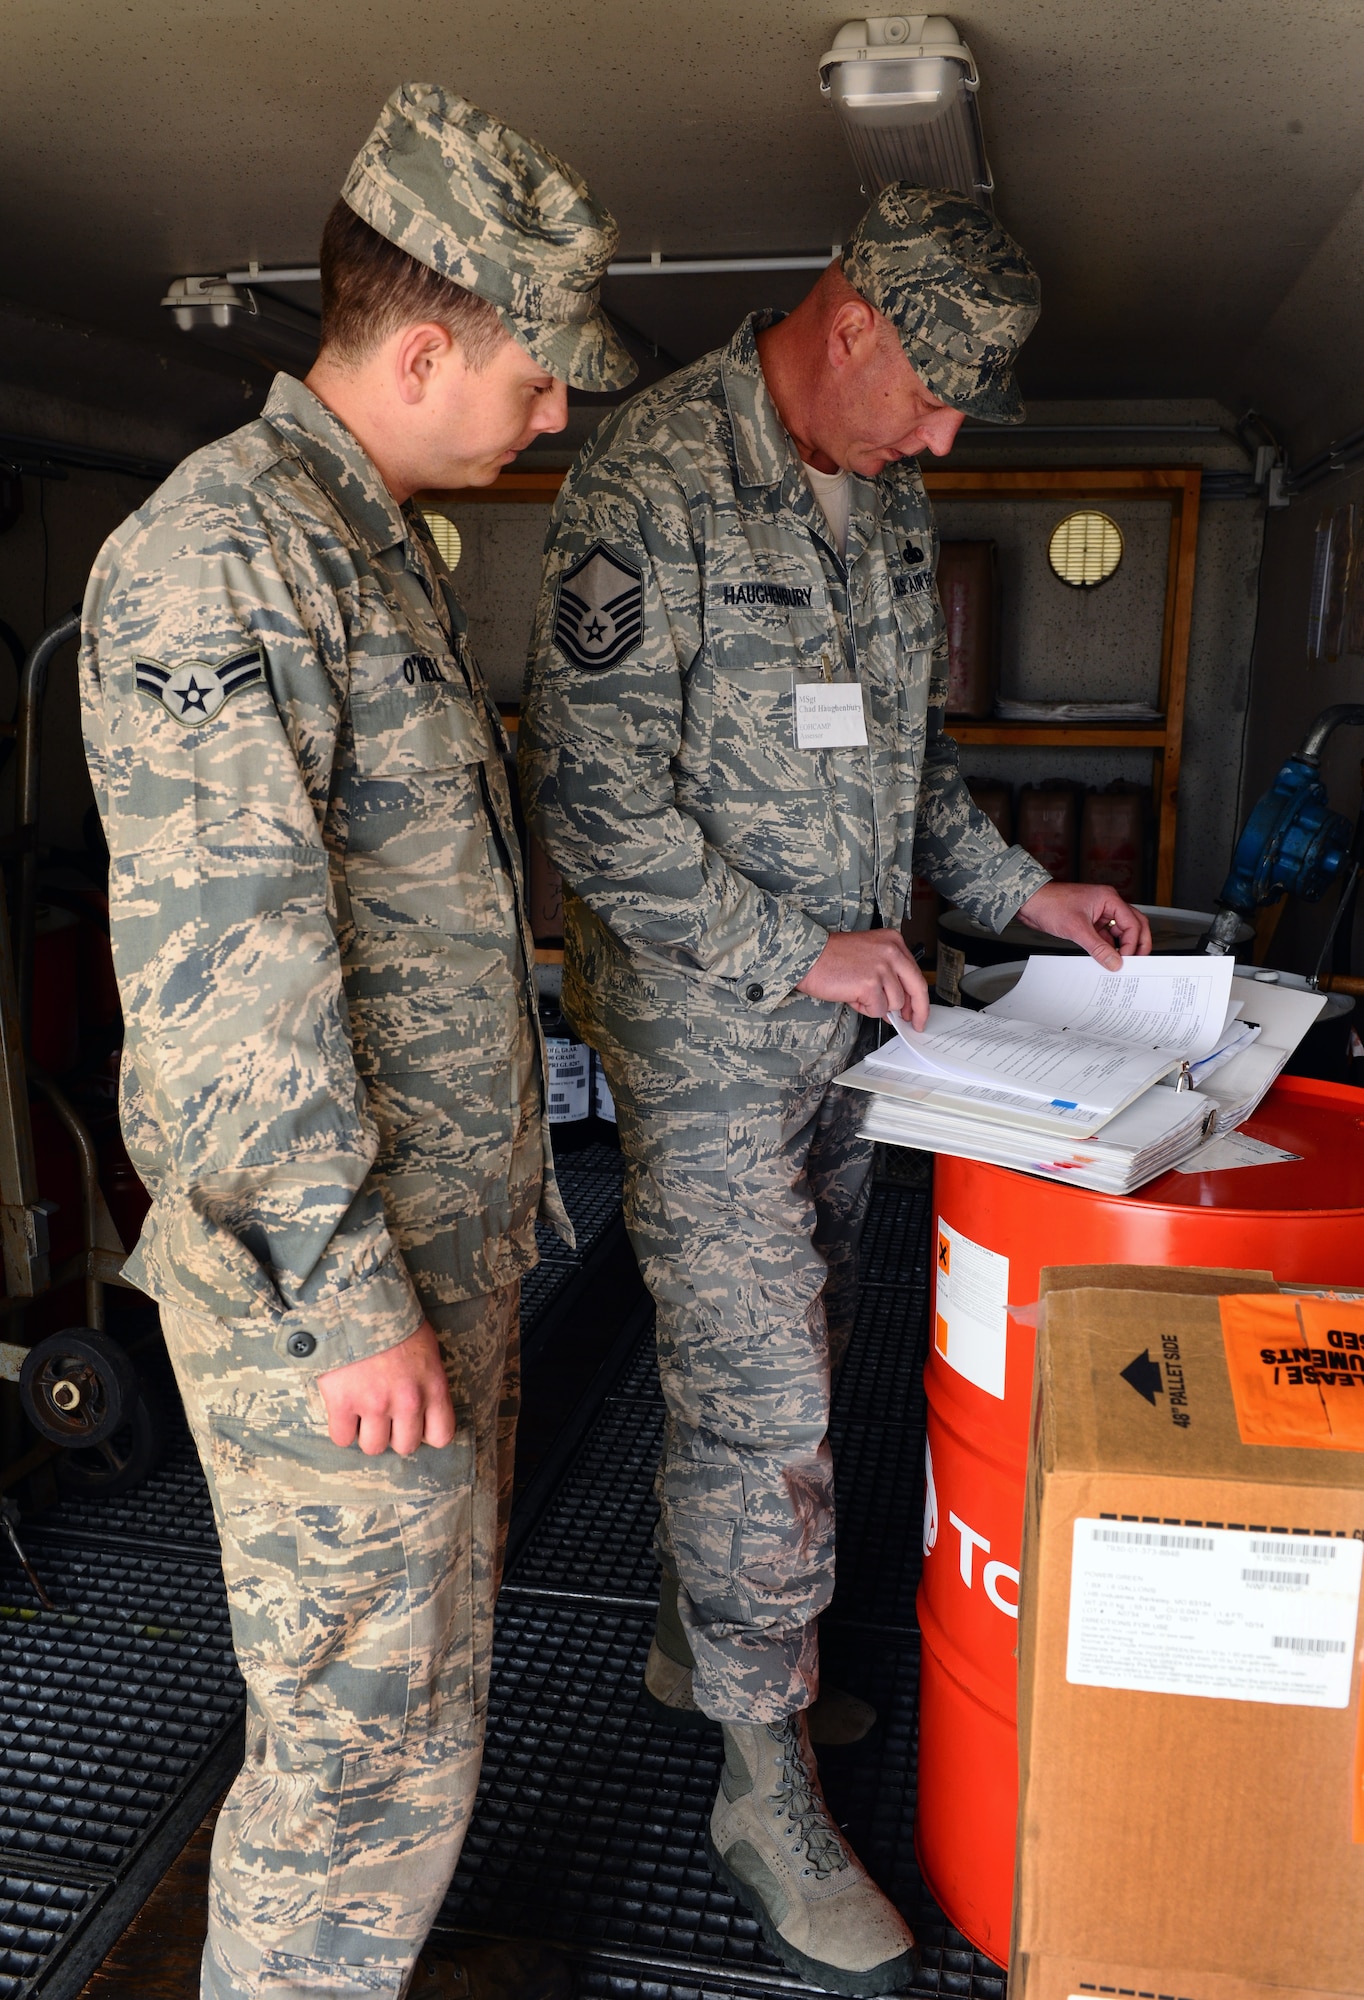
x=1191, y=1818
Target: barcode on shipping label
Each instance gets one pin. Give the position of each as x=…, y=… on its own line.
x=1169, y=1612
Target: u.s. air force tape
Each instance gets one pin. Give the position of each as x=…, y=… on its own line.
x=194, y=691
x=599, y=610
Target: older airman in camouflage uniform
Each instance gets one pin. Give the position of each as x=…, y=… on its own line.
x=332, y=1081
x=698, y=614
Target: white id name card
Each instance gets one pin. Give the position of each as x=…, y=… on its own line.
x=829, y=715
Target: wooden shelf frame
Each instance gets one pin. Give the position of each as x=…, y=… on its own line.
x=1178, y=487
x=1175, y=486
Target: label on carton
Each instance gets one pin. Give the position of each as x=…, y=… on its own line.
x=1297, y=1369
x=971, y=1316
x=1234, y=1614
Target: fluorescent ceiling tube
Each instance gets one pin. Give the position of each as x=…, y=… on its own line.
x=904, y=87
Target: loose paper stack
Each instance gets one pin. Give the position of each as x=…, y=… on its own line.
x=1156, y=1133
x=1061, y=1077
x=1076, y=711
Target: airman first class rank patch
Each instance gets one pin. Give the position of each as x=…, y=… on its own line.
x=599, y=610
x=195, y=692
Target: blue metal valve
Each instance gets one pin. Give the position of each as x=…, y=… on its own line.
x=1292, y=844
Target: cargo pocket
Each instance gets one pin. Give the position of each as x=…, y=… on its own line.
x=352, y=1651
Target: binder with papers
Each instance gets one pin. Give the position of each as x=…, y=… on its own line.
x=1102, y=1079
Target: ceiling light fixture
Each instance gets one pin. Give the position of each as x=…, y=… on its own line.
x=272, y=331
x=904, y=87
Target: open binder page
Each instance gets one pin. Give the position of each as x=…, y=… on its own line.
x=1066, y=1072
x=1180, y=1004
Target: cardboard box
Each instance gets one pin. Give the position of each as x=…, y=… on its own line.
x=1191, y=1821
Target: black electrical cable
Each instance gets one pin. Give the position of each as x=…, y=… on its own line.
x=42, y=516
x=1250, y=685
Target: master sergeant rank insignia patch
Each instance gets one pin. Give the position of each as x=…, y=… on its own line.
x=599, y=612
x=195, y=692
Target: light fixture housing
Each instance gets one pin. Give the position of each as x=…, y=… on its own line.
x=243, y=321
x=904, y=87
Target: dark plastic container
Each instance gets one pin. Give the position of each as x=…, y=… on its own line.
x=996, y=801
x=1048, y=823
x=967, y=593
x=1113, y=839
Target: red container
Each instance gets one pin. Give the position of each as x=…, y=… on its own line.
x=967, y=591
x=1113, y=839
x=1047, y=825
x=995, y=1230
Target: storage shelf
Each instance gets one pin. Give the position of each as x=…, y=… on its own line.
x=1176, y=486
x=1055, y=735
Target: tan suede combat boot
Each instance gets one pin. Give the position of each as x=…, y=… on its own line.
x=837, y=1719
x=504, y=1970
x=773, y=1841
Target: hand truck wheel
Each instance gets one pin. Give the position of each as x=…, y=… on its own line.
x=78, y=1387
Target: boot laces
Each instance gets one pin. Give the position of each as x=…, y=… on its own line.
x=797, y=1795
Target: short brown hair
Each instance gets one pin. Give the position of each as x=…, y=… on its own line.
x=371, y=288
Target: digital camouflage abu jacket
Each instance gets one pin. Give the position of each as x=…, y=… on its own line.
x=690, y=589
x=332, y=1077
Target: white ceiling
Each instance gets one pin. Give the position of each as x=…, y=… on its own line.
x=1182, y=174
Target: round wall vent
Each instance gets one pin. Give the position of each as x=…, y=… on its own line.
x=445, y=535
x=1085, y=548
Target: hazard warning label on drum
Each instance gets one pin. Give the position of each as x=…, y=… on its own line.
x=971, y=1318
x=1297, y=1369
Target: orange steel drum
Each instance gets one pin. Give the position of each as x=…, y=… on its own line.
x=994, y=1231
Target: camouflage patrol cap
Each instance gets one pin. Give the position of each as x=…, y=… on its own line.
x=956, y=287
x=500, y=216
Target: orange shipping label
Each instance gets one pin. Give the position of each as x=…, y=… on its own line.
x=1296, y=1368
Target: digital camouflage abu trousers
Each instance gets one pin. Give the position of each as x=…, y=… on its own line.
x=745, y=1189
x=362, y=1593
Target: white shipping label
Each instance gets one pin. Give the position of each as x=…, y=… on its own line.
x=829, y=715
x=569, y=1067
x=603, y=1103
x=1237, y=1615
x=971, y=1319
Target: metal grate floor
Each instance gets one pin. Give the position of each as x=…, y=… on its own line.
x=595, y=1538
x=590, y=1183
x=170, y=1508
x=37, y=1915
x=112, y=1701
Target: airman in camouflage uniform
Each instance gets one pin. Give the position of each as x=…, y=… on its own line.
x=332, y=1079
x=693, y=599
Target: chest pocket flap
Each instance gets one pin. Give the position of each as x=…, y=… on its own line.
x=419, y=724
